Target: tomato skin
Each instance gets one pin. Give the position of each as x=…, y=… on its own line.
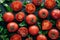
x=58, y=24
x=43, y=13
x=16, y=37
x=28, y=39
x=37, y=2
x=20, y=16
x=30, y=8
x=46, y=25
x=12, y=27
x=41, y=37
x=55, y=14
x=8, y=16
x=33, y=30
x=16, y=5
x=53, y=34
x=31, y=19
x=23, y=31
x=49, y=4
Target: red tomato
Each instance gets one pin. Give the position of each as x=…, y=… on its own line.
x=53, y=34
x=33, y=30
x=49, y=4
x=29, y=38
x=8, y=17
x=30, y=8
x=31, y=19
x=16, y=37
x=37, y=2
x=55, y=14
x=16, y=5
x=41, y=37
x=20, y=16
x=12, y=27
x=46, y=25
x=58, y=24
x=23, y=31
x=43, y=13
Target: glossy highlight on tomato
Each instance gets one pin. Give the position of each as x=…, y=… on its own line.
x=8, y=16
x=15, y=37
x=12, y=27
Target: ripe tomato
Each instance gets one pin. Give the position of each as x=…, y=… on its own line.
x=58, y=24
x=49, y=4
x=55, y=14
x=31, y=19
x=29, y=38
x=33, y=30
x=16, y=37
x=8, y=16
x=20, y=16
x=46, y=25
x=41, y=37
x=23, y=31
x=53, y=34
x=16, y=5
x=12, y=27
x=43, y=13
x=30, y=8
x=37, y=2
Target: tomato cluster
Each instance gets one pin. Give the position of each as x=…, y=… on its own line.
x=31, y=20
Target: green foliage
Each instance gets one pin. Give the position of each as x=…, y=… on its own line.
x=1, y=19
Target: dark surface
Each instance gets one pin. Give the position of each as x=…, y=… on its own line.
x=23, y=9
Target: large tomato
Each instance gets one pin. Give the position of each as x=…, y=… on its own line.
x=43, y=13
x=30, y=8
x=33, y=30
x=23, y=31
x=31, y=19
x=58, y=24
x=41, y=37
x=49, y=4
x=16, y=5
x=53, y=34
x=55, y=14
x=16, y=37
x=20, y=16
x=12, y=27
x=8, y=16
x=46, y=25
x=29, y=38
x=37, y=2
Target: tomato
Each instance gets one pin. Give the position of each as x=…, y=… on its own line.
x=58, y=24
x=20, y=16
x=31, y=19
x=16, y=37
x=16, y=5
x=23, y=31
x=53, y=34
x=37, y=2
x=55, y=14
x=12, y=27
x=46, y=25
x=8, y=16
x=49, y=4
x=33, y=30
x=43, y=13
x=41, y=37
x=29, y=38
x=30, y=8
